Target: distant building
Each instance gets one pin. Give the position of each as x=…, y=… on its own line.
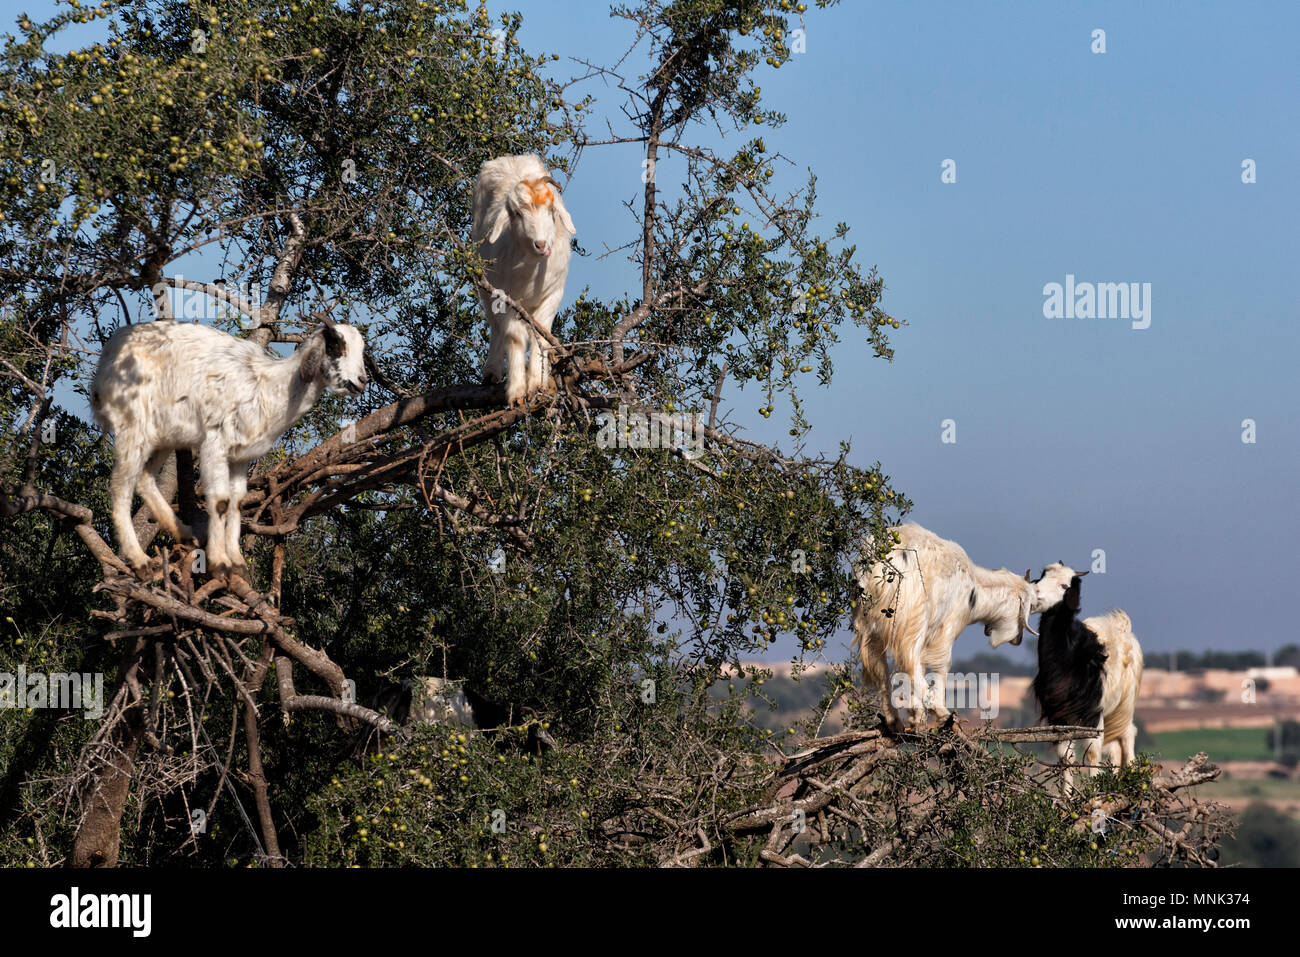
x=1276, y=673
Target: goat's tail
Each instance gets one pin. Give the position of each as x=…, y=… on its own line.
x=1123, y=649
x=1120, y=621
x=97, y=405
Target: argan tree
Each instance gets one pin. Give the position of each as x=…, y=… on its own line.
x=253, y=163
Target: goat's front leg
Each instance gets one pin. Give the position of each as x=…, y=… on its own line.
x=1065, y=757
x=238, y=488
x=517, y=335
x=127, y=466
x=1092, y=754
x=214, y=467
x=539, y=366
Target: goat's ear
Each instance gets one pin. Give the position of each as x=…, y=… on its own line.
x=335, y=346
x=313, y=351
x=1072, y=594
x=498, y=219
x=563, y=215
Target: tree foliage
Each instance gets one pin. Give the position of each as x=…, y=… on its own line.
x=253, y=162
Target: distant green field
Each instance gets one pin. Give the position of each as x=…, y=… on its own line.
x=1222, y=744
x=1266, y=789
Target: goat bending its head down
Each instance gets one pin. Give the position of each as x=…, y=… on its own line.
x=523, y=230
x=162, y=386
x=913, y=607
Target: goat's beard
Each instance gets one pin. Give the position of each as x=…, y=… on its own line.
x=995, y=641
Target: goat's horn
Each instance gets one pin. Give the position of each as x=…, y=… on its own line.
x=548, y=179
x=1030, y=628
x=1027, y=578
x=1081, y=574
x=329, y=308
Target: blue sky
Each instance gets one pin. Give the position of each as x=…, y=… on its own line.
x=1072, y=434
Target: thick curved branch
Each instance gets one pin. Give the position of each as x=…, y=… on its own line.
x=290, y=700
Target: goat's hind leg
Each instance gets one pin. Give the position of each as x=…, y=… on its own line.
x=1128, y=745
x=127, y=467
x=153, y=497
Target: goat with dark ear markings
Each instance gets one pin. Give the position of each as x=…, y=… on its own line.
x=162, y=386
x=1089, y=671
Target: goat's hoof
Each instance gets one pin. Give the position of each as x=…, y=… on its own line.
x=956, y=725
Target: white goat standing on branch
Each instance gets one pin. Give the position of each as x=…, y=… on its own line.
x=162, y=386
x=523, y=232
x=914, y=611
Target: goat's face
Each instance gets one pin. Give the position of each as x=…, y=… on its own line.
x=1054, y=584
x=342, y=360
x=538, y=216
x=1011, y=629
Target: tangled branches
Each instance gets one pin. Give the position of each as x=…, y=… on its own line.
x=951, y=799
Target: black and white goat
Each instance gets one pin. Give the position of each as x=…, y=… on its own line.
x=1089, y=671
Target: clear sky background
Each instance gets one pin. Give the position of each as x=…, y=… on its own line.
x=1072, y=434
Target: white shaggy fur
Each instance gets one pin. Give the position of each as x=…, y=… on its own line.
x=914, y=611
x=523, y=230
x=162, y=386
x=1121, y=676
